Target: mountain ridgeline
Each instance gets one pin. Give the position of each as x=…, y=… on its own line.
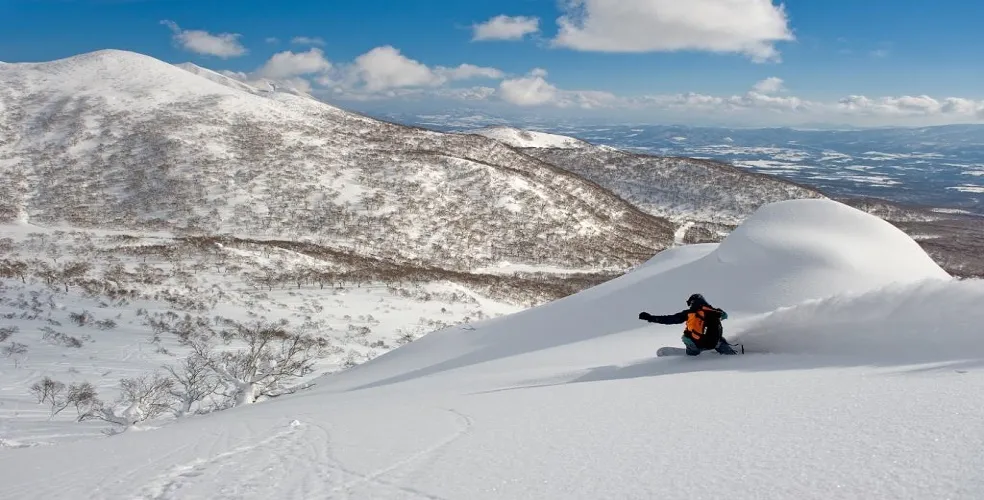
x=122, y=141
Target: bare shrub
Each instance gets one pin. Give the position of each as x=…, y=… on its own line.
x=46, y=389
x=81, y=319
x=14, y=269
x=195, y=381
x=50, y=335
x=271, y=357
x=14, y=351
x=105, y=324
x=7, y=331
x=51, y=391
x=83, y=396
x=141, y=398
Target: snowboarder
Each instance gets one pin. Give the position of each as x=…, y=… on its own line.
x=704, y=330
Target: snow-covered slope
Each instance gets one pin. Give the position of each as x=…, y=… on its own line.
x=870, y=391
x=785, y=254
x=118, y=140
x=531, y=139
x=683, y=189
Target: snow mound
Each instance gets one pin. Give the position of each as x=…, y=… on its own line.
x=530, y=139
x=785, y=254
x=797, y=250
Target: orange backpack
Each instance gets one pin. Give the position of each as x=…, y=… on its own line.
x=704, y=326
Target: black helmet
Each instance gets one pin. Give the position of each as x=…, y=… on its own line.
x=696, y=299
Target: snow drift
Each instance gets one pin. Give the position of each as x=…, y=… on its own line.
x=787, y=253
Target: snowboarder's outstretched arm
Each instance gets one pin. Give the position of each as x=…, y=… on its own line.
x=672, y=319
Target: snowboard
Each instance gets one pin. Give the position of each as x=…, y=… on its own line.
x=680, y=351
x=671, y=351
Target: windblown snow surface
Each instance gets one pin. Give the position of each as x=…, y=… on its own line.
x=863, y=379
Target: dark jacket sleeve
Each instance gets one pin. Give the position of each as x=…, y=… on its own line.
x=672, y=319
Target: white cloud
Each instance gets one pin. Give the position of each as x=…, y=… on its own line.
x=770, y=85
x=880, y=53
x=468, y=71
x=531, y=90
x=289, y=64
x=385, y=68
x=380, y=73
x=960, y=106
x=911, y=106
x=505, y=28
x=750, y=27
x=272, y=40
x=223, y=45
x=306, y=40
x=534, y=90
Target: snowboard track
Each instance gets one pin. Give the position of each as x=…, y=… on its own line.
x=298, y=462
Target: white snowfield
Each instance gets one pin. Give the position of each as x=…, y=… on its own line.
x=530, y=139
x=863, y=378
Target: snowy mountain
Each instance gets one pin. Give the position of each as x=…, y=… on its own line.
x=681, y=189
x=530, y=138
x=850, y=388
x=118, y=140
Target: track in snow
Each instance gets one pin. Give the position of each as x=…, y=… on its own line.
x=297, y=462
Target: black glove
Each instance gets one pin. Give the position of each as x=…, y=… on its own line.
x=645, y=316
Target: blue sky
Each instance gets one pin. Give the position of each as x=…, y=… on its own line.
x=804, y=61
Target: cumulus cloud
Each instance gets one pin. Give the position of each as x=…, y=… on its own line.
x=749, y=27
x=908, y=106
x=307, y=40
x=386, y=67
x=853, y=108
x=533, y=89
x=289, y=64
x=505, y=28
x=468, y=71
x=530, y=90
x=222, y=45
x=770, y=85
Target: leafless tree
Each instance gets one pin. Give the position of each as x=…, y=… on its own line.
x=51, y=391
x=195, y=381
x=73, y=272
x=14, y=351
x=272, y=356
x=7, y=331
x=141, y=398
x=83, y=396
x=14, y=269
